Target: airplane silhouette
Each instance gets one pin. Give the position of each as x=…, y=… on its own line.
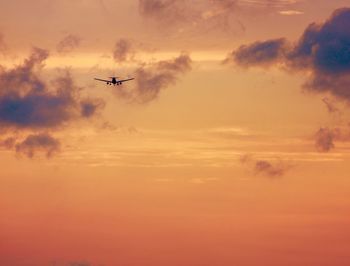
x=114, y=81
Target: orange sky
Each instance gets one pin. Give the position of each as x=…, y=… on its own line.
x=220, y=166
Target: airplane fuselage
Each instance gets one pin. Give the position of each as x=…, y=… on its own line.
x=114, y=81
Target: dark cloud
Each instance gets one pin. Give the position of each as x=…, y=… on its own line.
x=152, y=79
x=323, y=50
x=326, y=137
x=30, y=104
x=264, y=167
x=259, y=53
x=24, y=78
x=32, y=144
x=267, y=168
x=123, y=50
x=326, y=46
x=327, y=50
x=36, y=109
x=90, y=107
x=331, y=105
x=42, y=142
x=68, y=44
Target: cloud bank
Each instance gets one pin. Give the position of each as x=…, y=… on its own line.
x=29, y=103
x=323, y=51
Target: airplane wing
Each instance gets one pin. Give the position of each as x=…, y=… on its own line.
x=108, y=81
x=124, y=80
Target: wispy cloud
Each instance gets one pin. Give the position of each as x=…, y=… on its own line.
x=331, y=105
x=41, y=142
x=123, y=50
x=189, y=17
x=207, y=12
x=153, y=78
x=272, y=169
x=68, y=44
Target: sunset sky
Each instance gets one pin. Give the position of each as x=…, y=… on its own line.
x=230, y=148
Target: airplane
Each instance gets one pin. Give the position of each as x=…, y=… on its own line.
x=114, y=81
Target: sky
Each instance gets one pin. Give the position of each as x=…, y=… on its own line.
x=230, y=147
